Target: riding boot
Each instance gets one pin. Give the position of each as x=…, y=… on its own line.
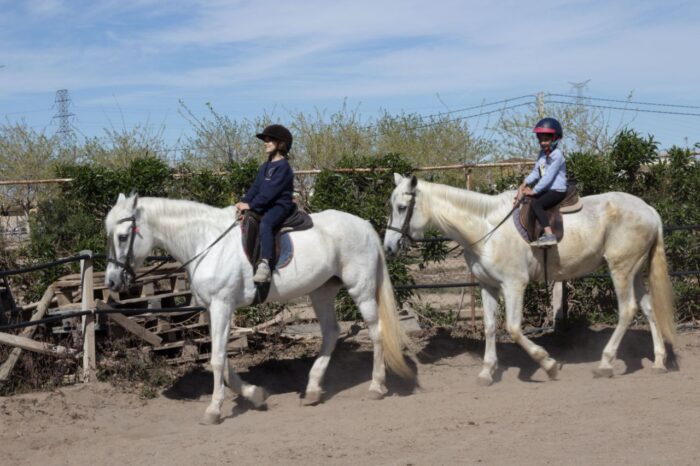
x=545, y=241
x=263, y=273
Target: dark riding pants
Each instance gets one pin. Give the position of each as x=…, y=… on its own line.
x=543, y=201
x=269, y=224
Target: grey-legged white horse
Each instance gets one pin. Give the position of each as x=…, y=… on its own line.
x=340, y=250
x=614, y=228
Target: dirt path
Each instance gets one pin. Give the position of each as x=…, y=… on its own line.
x=634, y=418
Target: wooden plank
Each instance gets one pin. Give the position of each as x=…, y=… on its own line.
x=133, y=327
x=179, y=344
x=63, y=297
x=145, y=299
x=147, y=290
x=35, y=346
x=28, y=332
x=88, y=304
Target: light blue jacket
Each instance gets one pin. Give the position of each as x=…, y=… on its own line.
x=550, y=171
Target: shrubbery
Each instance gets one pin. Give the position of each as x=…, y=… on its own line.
x=71, y=219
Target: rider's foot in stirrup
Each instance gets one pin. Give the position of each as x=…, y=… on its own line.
x=263, y=273
x=545, y=241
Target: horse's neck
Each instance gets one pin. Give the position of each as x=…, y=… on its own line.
x=459, y=213
x=184, y=228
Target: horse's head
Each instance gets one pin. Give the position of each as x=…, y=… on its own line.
x=128, y=242
x=405, y=221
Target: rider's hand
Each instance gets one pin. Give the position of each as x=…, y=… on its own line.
x=528, y=191
x=242, y=206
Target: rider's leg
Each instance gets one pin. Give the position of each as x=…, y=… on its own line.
x=543, y=201
x=270, y=222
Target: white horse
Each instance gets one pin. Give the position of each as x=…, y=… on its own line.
x=614, y=228
x=340, y=250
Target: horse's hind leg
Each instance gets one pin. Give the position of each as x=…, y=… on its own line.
x=323, y=300
x=623, y=278
x=514, y=312
x=642, y=296
x=489, y=299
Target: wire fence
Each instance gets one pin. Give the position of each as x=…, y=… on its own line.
x=141, y=311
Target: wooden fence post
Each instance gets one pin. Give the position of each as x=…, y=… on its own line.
x=88, y=304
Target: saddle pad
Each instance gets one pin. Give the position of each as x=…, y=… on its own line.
x=285, y=251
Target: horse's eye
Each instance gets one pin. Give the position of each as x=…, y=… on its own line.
x=123, y=238
x=402, y=208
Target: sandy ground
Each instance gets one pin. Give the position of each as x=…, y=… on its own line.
x=637, y=417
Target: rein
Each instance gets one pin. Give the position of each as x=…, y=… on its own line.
x=493, y=230
x=127, y=269
x=404, y=230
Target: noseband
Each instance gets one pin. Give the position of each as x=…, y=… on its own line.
x=406, y=221
x=127, y=269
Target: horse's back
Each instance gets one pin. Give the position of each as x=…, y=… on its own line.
x=620, y=208
x=338, y=223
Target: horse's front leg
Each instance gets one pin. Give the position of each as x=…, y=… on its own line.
x=219, y=325
x=219, y=322
x=514, y=295
x=489, y=299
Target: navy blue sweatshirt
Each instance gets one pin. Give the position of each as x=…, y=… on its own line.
x=274, y=185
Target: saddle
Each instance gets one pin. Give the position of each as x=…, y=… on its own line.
x=531, y=229
x=284, y=249
x=250, y=227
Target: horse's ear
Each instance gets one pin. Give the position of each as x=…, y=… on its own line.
x=121, y=198
x=414, y=182
x=397, y=179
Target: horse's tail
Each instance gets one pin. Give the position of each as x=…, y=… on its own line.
x=662, y=296
x=394, y=339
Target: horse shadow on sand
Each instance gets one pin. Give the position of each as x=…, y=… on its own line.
x=350, y=366
x=576, y=343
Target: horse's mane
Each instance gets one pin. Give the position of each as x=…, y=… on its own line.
x=460, y=201
x=160, y=206
x=193, y=219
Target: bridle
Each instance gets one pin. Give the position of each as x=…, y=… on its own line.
x=405, y=227
x=127, y=269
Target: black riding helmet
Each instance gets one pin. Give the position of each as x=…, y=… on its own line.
x=278, y=132
x=549, y=126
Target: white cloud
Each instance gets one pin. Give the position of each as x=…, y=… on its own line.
x=362, y=48
x=45, y=7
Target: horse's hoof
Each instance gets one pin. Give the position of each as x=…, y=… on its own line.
x=484, y=381
x=552, y=369
x=259, y=397
x=312, y=398
x=659, y=370
x=210, y=419
x=375, y=395
x=602, y=372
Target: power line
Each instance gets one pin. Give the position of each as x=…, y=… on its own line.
x=502, y=109
x=465, y=109
x=627, y=109
x=473, y=107
x=655, y=104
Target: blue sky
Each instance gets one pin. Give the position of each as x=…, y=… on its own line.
x=129, y=61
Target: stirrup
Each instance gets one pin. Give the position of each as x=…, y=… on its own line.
x=545, y=241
